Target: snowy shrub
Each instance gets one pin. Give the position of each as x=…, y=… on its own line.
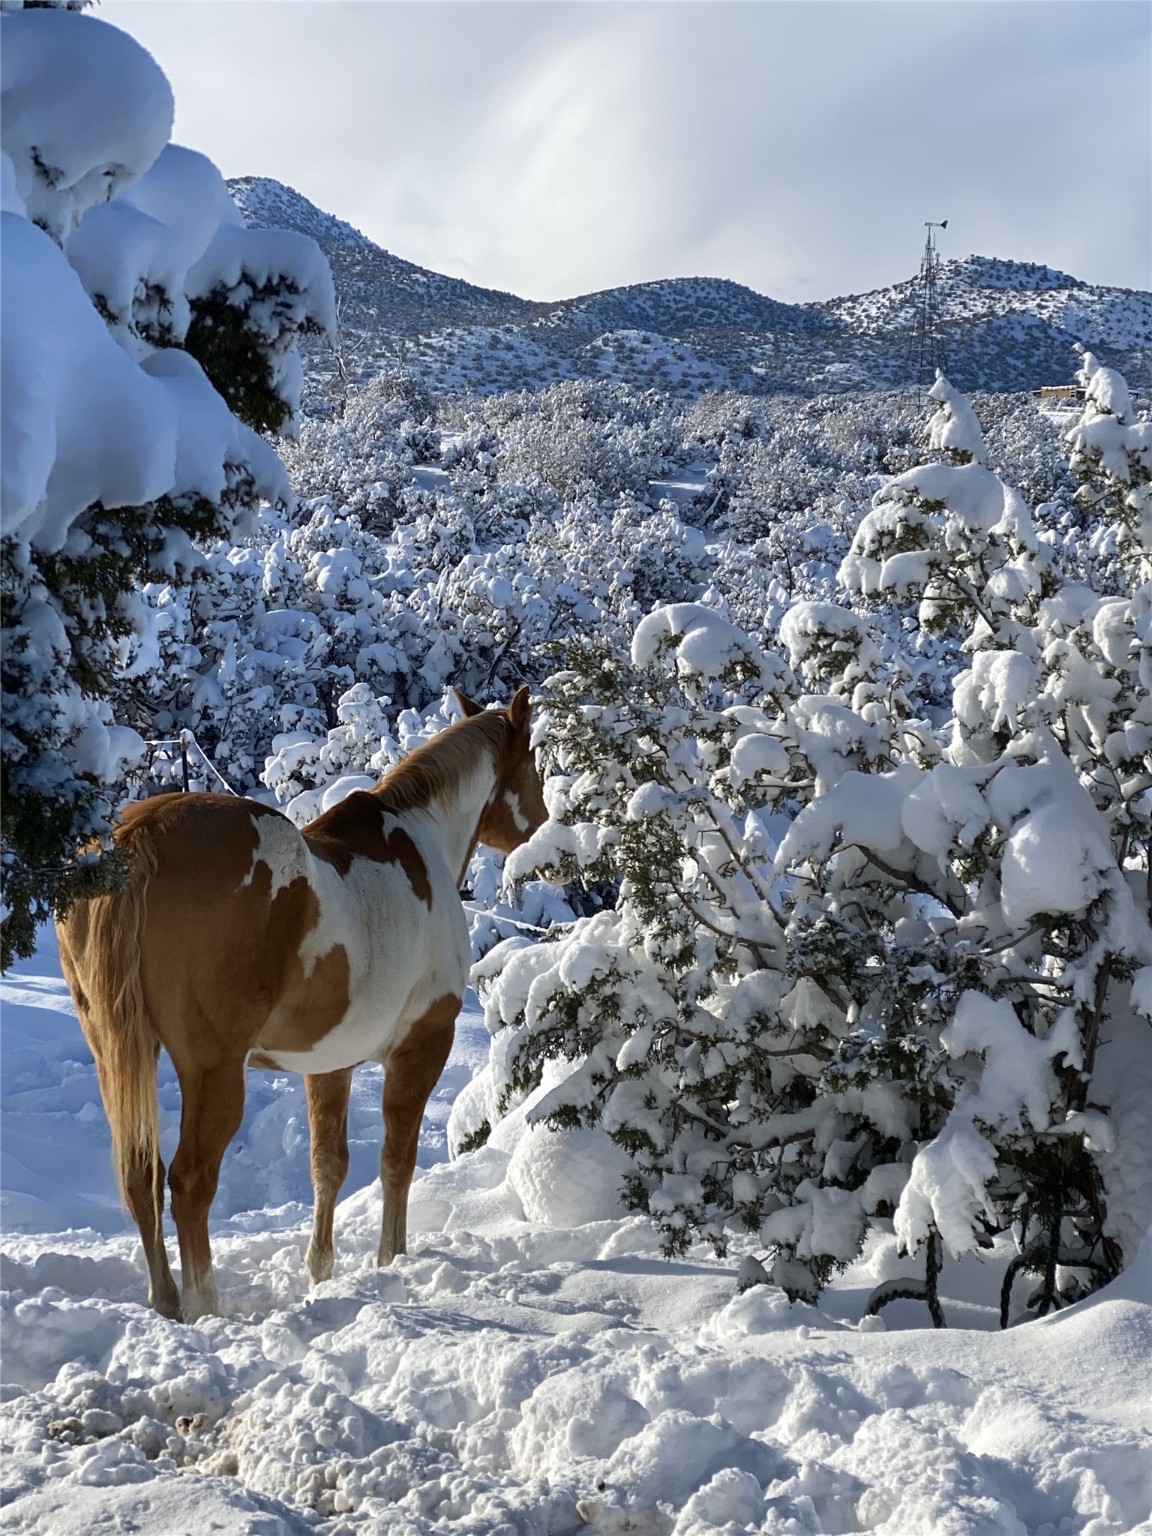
x=698, y=1043
x=577, y=438
x=269, y=639
x=1112, y=455
x=818, y=464
x=1025, y=443
x=720, y=415
x=362, y=461
x=1040, y=811
x=134, y=298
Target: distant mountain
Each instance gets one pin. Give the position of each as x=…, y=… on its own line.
x=1006, y=325
x=375, y=289
x=1009, y=317
x=680, y=304
x=268, y=204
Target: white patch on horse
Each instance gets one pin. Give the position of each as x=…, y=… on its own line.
x=396, y=969
x=279, y=847
x=454, y=823
x=328, y=931
x=519, y=820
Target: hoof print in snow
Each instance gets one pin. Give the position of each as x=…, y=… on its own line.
x=609, y=1519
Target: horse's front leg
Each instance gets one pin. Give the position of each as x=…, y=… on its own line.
x=411, y=1072
x=327, y=1094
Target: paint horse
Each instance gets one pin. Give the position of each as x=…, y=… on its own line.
x=240, y=940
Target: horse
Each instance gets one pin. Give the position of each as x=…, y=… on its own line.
x=240, y=940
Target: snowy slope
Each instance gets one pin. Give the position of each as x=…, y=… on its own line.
x=680, y=304
x=402, y=297
x=507, y=1376
x=982, y=288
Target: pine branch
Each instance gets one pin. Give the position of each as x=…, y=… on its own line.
x=754, y=945
x=907, y=878
x=907, y=1289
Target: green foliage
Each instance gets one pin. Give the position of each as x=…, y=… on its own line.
x=475, y=1139
x=238, y=357
x=49, y=806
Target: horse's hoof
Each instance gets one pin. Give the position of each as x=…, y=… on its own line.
x=167, y=1303
x=319, y=1269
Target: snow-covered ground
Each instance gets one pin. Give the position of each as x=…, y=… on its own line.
x=507, y=1376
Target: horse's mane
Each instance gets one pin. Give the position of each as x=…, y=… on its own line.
x=441, y=765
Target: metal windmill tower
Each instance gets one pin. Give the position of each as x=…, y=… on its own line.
x=926, y=343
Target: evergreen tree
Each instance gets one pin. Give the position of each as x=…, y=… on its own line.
x=133, y=299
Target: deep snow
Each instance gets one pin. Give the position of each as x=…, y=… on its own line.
x=508, y=1375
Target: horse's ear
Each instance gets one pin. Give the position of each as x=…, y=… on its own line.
x=469, y=706
x=520, y=709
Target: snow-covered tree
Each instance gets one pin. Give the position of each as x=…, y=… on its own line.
x=712, y=1012
x=1112, y=456
x=1040, y=810
x=137, y=310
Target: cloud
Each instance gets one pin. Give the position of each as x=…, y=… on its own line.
x=556, y=181
x=559, y=148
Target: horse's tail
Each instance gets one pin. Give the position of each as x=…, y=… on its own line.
x=100, y=951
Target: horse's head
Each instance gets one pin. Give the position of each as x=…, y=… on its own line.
x=516, y=806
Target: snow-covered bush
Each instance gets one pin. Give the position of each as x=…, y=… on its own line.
x=820, y=462
x=134, y=299
x=1112, y=455
x=577, y=439
x=1041, y=809
x=698, y=1024
x=862, y=967
x=361, y=462
x=721, y=415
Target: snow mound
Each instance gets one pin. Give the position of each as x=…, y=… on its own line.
x=86, y=112
x=568, y=1178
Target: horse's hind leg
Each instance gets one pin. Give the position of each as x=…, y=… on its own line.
x=140, y=1171
x=212, y=1108
x=327, y=1094
x=144, y=1192
x=410, y=1074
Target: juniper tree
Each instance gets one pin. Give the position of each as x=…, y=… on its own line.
x=707, y=1040
x=1039, y=812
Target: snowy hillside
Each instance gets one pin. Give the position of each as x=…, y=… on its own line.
x=268, y=204
x=982, y=288
x=682, y=304
x=1009, y=325
x=399, y=297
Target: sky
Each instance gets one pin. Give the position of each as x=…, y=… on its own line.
x=798, y=146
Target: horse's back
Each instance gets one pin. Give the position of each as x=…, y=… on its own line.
x=313, y=950
x=209, y=846
x=226, y=906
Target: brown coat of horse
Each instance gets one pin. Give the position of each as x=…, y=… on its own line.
x=241, y=940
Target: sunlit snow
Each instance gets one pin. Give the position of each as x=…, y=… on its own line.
x=532, y=1366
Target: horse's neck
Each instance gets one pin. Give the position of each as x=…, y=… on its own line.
x=452, y=819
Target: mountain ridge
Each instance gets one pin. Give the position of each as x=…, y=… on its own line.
x=1005, y=325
